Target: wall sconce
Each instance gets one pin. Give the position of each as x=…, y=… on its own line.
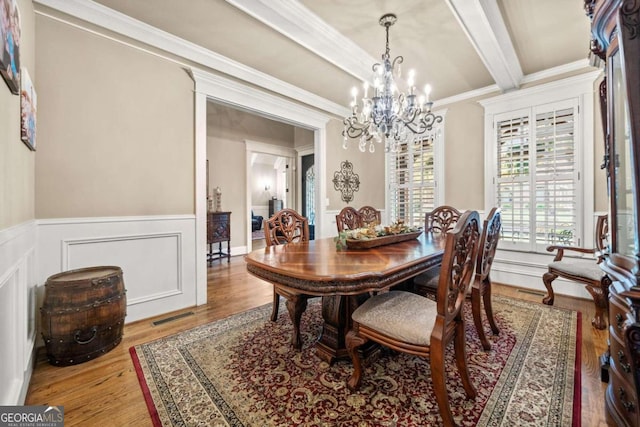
x=267, y=187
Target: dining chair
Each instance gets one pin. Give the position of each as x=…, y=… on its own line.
x=583, y=270
x=413, y=324
x=438, y=221
x=287, y=226
x=481, y=287
x=369, y=216
x=348, y=219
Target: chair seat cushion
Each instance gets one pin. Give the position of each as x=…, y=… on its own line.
x=578, y=267
x=400, y=315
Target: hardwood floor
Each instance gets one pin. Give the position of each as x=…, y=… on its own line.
x=106, y=392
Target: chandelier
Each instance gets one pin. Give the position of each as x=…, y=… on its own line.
x=389, y=115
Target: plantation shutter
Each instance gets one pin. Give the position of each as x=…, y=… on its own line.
x=513, y=180
x=412, y=181
x=556, y=177
x=537, y=176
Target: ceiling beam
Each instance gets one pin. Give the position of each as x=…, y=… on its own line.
x=483, y=24
x=293, y=20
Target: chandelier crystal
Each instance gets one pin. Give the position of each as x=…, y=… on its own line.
x=389, y=115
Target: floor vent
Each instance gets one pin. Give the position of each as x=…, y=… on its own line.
x=531, y=291
x=172, y=318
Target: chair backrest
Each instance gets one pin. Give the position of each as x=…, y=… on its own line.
x=348, y=219
x=369, y=216
x=286, y=226
x=457, y=268
x=488, y=243
x=441, y=219
x=602, y=234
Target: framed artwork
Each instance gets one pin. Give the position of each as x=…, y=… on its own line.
x=28, y=104
x=10, y=44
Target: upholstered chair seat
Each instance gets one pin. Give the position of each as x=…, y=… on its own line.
x=586, y=268
x=400, y=315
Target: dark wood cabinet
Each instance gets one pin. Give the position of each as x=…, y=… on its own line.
x=615, y=29
x=274, y=206
x=218, y=231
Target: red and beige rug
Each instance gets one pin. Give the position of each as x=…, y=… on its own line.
x=242, y=371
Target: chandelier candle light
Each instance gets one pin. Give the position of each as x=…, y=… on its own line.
x=390, y=115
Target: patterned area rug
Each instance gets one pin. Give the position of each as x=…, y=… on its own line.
x=257, y=235
x=242, y=371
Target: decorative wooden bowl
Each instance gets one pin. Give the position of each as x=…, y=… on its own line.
x=380, y=241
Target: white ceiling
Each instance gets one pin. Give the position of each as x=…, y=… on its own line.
x=461, y=47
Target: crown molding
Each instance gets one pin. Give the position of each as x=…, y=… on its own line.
x=114, y=21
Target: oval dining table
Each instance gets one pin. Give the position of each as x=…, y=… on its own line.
x=343, y=278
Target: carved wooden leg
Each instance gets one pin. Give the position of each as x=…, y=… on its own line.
x=547, y=278
x=439, y=381
x=600, y=301
x=276, y=306
x=296, y=305
x=488, y=308
x=460, y=350
x=477, y=318
x=354, y=341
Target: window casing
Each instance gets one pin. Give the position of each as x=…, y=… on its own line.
x=538, y=164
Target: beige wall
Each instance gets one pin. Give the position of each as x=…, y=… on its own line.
x=464, y=155
x=115, y=127
x=16, y=160
x=368, y=166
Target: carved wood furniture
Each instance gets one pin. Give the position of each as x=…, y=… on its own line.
x=583, y=270
x=342, y=278
x=439, y=221
x=481, y=288
x=218, y=231
x=274, y=206
x=284, y=227
x=413, y=324
x=349, y=218
x=615, y=32
x=369, y=216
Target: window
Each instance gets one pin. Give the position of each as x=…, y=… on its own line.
x=537, y=142
x=414, y=178
x=537, y=182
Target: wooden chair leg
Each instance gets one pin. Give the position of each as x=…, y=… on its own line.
x=276, y=306
x=547, y=278
x=488, y=308
x=477, y=318
x=460, y=351
x=438, y=373
x=353, y=342
x=296, y=305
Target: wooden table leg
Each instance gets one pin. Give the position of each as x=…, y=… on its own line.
x=336, y=312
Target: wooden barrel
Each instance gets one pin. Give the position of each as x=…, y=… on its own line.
x=83, y=314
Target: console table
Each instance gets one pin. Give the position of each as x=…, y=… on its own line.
x=218, y=231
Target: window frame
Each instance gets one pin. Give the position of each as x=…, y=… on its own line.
x=579, y=89
x=438, y=168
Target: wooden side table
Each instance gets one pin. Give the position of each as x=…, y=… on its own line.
x=218, y=231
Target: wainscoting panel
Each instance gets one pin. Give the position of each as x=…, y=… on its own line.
x=17, y=311
x=156, y=254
